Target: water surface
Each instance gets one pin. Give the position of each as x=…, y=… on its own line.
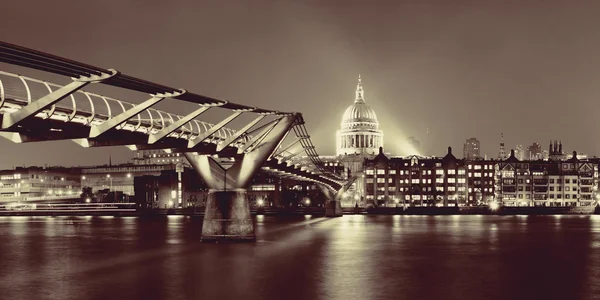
x=353, y=257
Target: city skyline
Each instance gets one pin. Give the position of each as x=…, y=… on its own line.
x=423, y=65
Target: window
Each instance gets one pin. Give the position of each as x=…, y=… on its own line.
x=390, y=180
x=401, y=172
x=574, y=181
x=428, y=172
x=520, y=181
x=520, y=196
x=380, y=172
x=392, y=172
x=415, y=180
x=567, y=189
x=451, y=189
x=477, y=167
x=380, y=180
x=439, y=180
x=439, y=172
x=551, y=180
x=551, y=196
x=567, y=196
x=552, y=189
x=424, y=172
x=567, y=181
x=461, y=180
x=369, y=172
x=470, y=167
x=478, y=174
x=461, y=172
x=451, y=180
x=452, y=171
x=369, y=180
x=520, y=188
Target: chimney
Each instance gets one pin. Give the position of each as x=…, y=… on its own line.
x=449, y=150
x=380, y=150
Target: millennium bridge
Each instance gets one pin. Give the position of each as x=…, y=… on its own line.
x=35, y=110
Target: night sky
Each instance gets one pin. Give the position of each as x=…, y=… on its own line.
x=462, y=69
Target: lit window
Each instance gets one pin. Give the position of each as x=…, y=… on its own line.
x=451, y=180
x=369, y=172
x=380, y=171
x=451, y=171
x=392, y=172
x=439, y=172
x=461, y=172
x=461, y=180
x=415, y=180
x=477, y=167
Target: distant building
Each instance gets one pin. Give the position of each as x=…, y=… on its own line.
x=360, y=132
x=157, y=157
x=568, y=182
x=502, y=152
x=519, y=153
x=534, y=152
x=471, y=149
x=39, y=184
x=555, y=151
x=420, y=181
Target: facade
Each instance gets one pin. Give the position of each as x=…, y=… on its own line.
x=567, y=182
x=119, y=177
x=422, y=181
x=157, y=157
x=519, y=152
x=359, y=133
x=502, y=152
x=534, y=152
x=39, y=184
x=471, y=149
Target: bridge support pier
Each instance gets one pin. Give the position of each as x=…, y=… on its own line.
x=333, y=208
x=227, y=216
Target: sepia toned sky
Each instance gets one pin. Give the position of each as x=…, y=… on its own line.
x=527, y=68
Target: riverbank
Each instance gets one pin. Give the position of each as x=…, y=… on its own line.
x=319, y=211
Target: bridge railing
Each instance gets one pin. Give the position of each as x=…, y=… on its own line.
x=88, y=108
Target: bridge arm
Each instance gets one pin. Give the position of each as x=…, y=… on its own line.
x=213, y=129
x=115, y=121
x=154, y=138
x=11, y=120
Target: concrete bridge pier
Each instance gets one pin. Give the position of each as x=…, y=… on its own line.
x=333, y=206
x=333, y=209
x=227, y=216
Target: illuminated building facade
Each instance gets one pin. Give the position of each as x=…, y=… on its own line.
x=422, y=181
x=359, y=133
x=471, y=149
x=39, y=184
x=555, y=182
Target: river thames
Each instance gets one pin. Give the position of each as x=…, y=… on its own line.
x=353, y=257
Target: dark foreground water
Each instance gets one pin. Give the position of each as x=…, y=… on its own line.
x=353, y=257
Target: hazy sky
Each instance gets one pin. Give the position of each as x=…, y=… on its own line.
x=463, y=69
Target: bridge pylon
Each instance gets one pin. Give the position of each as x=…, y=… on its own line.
x=227, y=215
x=333, y=206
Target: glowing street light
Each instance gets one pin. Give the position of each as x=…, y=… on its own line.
x=260, y=202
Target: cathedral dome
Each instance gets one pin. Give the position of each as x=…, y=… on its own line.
x=359, y=113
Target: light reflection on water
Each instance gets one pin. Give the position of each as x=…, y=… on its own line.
x=304, y=257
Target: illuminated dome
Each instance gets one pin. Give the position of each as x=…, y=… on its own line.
x=359, y=114
x=360, y=132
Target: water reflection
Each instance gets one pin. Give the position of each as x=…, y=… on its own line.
x=303, y=257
